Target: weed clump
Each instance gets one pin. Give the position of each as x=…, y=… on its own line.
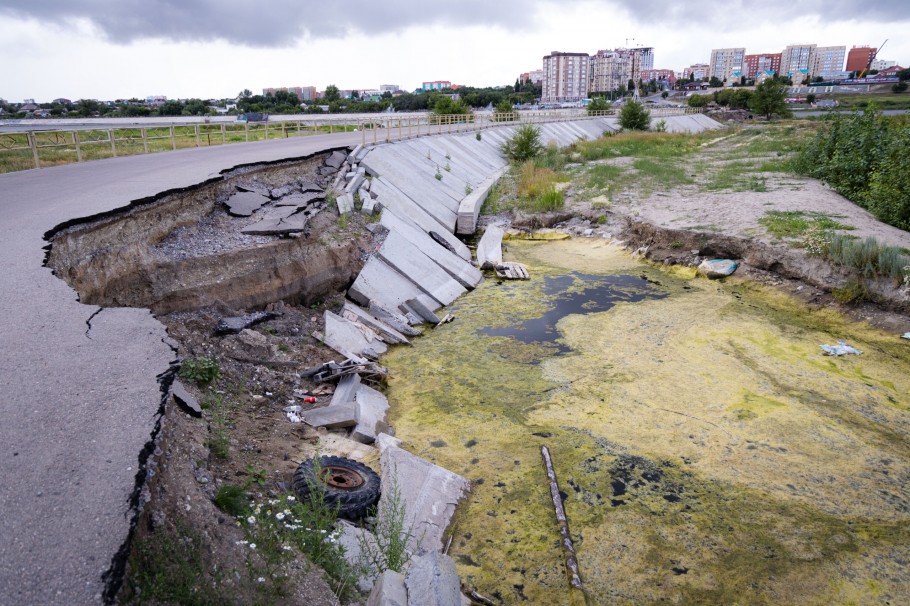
x=200, y=370
x=524, y=144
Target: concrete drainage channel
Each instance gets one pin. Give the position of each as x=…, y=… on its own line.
x=253, y=238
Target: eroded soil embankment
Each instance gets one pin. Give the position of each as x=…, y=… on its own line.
x=156, y=254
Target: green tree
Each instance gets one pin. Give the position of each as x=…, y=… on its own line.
x=904, y=74
x=810, y=98
x=446, y=106
x=899, y=87
x=715, y=82
x=598, y=104
x=504, y=111
x=524, y=144
x=87, y=107
x=634, y=116
x=769, y=99
x=331, y=93
x=665, y=94
x=170, y=107
x=699, y=100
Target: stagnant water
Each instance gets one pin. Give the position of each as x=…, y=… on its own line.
x=708, y=452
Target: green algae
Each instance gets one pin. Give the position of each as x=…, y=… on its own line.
x=708, y=451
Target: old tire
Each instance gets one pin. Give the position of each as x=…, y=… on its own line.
x=350, y=486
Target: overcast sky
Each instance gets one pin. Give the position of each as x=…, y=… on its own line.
x=108, y=49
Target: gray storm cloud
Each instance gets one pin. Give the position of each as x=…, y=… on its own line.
x=285, y=22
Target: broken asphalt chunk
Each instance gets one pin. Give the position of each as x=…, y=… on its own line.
x=233, y=325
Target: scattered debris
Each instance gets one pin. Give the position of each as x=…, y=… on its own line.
x=510, y=270
x=562, y=522
x=185, y=399
x=718, y=268
x=233, y=325
x=245, y=203
x=841, y=349
x=906, y=335
x=331, y=371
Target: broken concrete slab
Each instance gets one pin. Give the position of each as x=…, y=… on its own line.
x=233, y=325
x=372, y=412
x=260, y=188
x=346, y=390
x=436, y=248
x=303, y=199
x=345, y=203
x=415, y=307
x=368, y=203
x=509, y=270
x=335, y=416
x=280, y=192
x=393, y=319
x=352, y=157
x=717, y=268
x=429, y=492
x=185, y=400
x=277, y=226
x=410, y=261
x=245, y=203
x=389, y=590
x=386, y=332
x=308, y=186
x=352, y=538
x=378, y=282
x=356, y=181
x=336, y=159
x=351, y=338
x=489, y=249
x=469, y=208
x=433, y=581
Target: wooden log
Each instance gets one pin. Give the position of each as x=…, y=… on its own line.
x=563, y=523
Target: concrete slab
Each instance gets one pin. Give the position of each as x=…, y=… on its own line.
x=489, y=249
x=301, y=200
x=336, y=159
x=409, y=211
x=469, y=209
x=389, y=590
x=245, y=203
x=388, y=334
x=449, y=182
x=416, y=308
x=393, y=319
x=389, y=195
x=372, y=412
x=380, y=283
x=433, y=581
x=276, y=226
x=410, y=261
x=332, y=417
x=346, y=390
x=355, y=183
x=430, y=493
x=421, y=187
x=185, y=399
x=462, y=271
x=345, y=203
x=351, y=339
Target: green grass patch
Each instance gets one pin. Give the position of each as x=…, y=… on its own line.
x=638, y=145
x=795, y=223
x=660, y=175
x=232, y=500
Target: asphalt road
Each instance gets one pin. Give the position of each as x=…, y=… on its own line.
x=79, y=389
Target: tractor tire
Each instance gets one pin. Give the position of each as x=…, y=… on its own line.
x=348, y=485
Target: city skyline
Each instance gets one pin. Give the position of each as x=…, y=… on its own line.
x=208, y=50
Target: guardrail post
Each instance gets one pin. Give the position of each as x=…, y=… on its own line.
x=78, y=147
x=196, y=132
x=246, y=130
x=331, y=127
x=173, y=139
x=223, y=134
x=110, y=136
x=33, y=144
x=266, y=130
x=145, y=140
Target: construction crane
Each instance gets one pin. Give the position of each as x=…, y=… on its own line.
x=872, y=57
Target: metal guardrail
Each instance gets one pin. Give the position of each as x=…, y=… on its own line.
x=38, y=149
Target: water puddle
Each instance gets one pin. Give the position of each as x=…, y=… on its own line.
x=707, y=451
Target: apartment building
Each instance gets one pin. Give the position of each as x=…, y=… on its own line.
x=829, y=62
x=727, y=64
x=304, y=93
x=534, y=77
x=610, y=69
x=436, y=85
x=764, y=63
x=696, y=71
x=388, y=88
x=661, y=76
x=859, y=57
x=565, y=77
x=797, y=61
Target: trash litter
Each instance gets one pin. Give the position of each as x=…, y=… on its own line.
x=906, y=335
x=310, y=400
x=841, y=349
x=294, y=408
x=293, y=418
x=718, y=268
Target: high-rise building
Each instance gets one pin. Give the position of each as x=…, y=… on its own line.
x=436, y=85
x=661, y=76
x=797, y=61
x=726, y=64
x=304, y=93
x=829, y=62
x=764, y=63
x=534, y=77
x=565, y=77
x=859, y=57
x=610, y=69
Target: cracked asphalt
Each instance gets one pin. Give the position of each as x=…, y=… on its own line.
x=80, y=391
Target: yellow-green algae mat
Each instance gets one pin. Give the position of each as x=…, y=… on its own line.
x=708, y=451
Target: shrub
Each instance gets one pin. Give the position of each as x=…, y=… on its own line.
x=504, y=111
x=232, y=500
x=200, y=370
x=523, y=145
x=660, y=126
x=598, y=105
x=634, y=116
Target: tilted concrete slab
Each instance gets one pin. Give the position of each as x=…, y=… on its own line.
x=384, y=330
x=380, y=283
x=346, y=390
x=469, y=210
x=460, y=174
x=429, y=492
x=489, y=249
x=393, y=319
x=347, y=338
x=433, y=581
x=465, y=165
x=336, y=416
x=446, y=190
x=420, y=187
x=345, y=203
x=356, y=182
x=410, y=261
x=390, y=197
x=465, y=273
x=372, y=411
x=245, y=203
